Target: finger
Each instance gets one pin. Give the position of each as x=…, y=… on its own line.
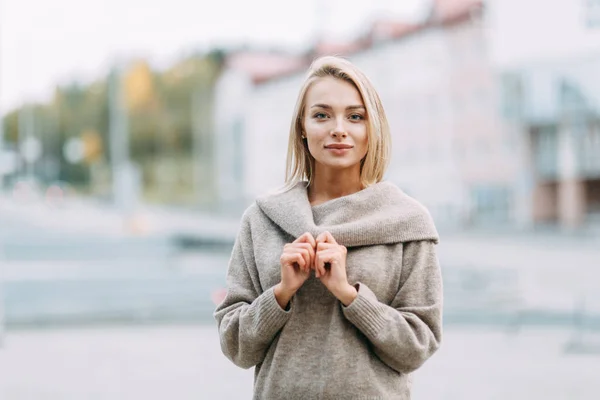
x=306, y=238
x=311, y=252
x=317, y=265
x=310, y=239
x=329, y=238
x=306, y=258
x=291, y=258
x=329, y=257
x=307, y=251
x=320, y=238
x=298, y=259
x=326, y=237
x=322, y=258
x=309, y=247
x=325, y=246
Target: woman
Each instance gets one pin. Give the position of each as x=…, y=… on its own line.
x=334, y=289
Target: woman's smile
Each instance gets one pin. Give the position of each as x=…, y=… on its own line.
x=339, y=149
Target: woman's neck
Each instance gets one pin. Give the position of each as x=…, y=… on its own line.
x=330, y=185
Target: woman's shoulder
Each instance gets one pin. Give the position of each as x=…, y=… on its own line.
x=404, y=201
x=413, y=216
x=251, y=213
x=254, y=215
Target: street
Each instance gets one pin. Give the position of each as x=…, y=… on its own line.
x=185, y=362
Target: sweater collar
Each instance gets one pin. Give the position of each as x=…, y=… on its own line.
x=378, y=214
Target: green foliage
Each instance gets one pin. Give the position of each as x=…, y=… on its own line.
x=160, y=108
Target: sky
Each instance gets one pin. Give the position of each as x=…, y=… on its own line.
x=530, y=31
x=44, y=43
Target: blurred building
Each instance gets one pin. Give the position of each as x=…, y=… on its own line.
x=451, y=148
x=246, y=134
x=556, y=107
x=478, y=145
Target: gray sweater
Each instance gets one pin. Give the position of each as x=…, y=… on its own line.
x=319, y=349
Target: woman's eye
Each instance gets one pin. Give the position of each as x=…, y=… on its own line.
x=356, y=117
x=320, y=115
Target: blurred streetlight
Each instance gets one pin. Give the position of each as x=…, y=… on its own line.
x=74, y=150
x=32, y=150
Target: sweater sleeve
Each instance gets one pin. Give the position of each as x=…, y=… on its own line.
x=248, y=319
x=407, y=332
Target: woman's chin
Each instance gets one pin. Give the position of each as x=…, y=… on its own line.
x=339, y=165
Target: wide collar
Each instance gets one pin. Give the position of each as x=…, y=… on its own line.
x=378, y=214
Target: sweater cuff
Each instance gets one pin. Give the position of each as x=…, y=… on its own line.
x=365, y=312
x=271, y=317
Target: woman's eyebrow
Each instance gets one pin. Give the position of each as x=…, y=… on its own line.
x=328, y=107
x=320, y=105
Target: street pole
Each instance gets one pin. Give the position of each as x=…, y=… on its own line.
x=196, y=144
x=118, y=142
x=27, y=117
x=200, y=133
x=125, y=176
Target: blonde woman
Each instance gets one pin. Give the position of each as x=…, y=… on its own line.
x=334, y=288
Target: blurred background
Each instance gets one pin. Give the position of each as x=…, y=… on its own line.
x=134, y=134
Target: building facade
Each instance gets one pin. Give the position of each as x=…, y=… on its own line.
x=556, y=107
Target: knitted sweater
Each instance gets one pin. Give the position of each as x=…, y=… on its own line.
x=318, y=348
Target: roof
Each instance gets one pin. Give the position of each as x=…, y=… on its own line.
x=391, y=29
x=451, y=11
x=264, y=67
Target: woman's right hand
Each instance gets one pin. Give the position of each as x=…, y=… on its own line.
x=296, y=264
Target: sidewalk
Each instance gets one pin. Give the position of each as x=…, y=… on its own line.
x=80, y=215
x=186, y=362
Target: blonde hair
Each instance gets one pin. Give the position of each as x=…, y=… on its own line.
x=300, y=164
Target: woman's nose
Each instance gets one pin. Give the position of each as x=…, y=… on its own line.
x=339, y=131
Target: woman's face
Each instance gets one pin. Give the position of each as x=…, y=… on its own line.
x=335, y=124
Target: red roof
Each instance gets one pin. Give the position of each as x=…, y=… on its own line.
x=338, y=48
x=389, y=29
x=263, y=67
x=449, y=11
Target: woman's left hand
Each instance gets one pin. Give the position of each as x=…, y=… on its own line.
x=330, y=268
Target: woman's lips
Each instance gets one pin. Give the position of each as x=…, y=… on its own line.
x=338, y=149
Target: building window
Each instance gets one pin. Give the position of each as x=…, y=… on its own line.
x=546, y=151
x=592, y=13
x=591, y=150
x=511, y=96
x=491, y=203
